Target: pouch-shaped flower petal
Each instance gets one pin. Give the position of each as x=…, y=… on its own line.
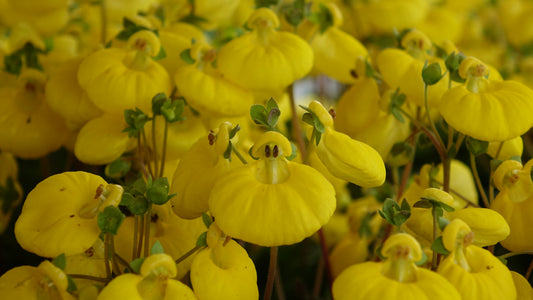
x=272, y=201
x=223, y=271
x=352, y=249
x=509, y=149
x=523, y=287
x=489, y=227
x=28, y=127
x=386, y=15
x=197, y=171
x=118, y=79
x=265, y=59
x=207, y=90
x=487, y=110
x=154, y=282
x=47, y=21
x=67, y=98
x=33, y=283
x=396, y=278
x=515, y=203
x=474, y=271
x=59, y=214
x=102, y=140
x=345, y=157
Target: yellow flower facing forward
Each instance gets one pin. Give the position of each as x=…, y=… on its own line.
x=272, y=201
x=265, y=59
x=515, y=202
x=206, y=89
x=118, y=79
x=474, y=271
x=345, y=157
x=59, y=214
x=198, y=170
x=223, y=270
x=155, y=281
x=396, y=278
x=34, y=283
x=486, y=109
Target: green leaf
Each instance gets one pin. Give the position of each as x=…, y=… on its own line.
x=173, y=110
x=405, y=205
x=495, y=163
x=135, y=120
x=294, y=152
x=431, y=74
x=72, y=287
x=308, y=118
x=227, y=153
x=60, y=261
x=139, y=205
x=207, y=219
x=442, y=222
x=234, y=131
x=438, y=246
x=202, y=240
x=185, y=55
x=118, y=168
x=136, y=264
x=323, y=18
x=160, y=14
x=398, y=115
x=259, y=114
x=193, y=19
x=446, y=207
x=162, y=54
x=157, y=193
x=273, y=117
x=295, y=12
x=157, y=102
x=423, y=204
x=13, y=63
x=157, y=248
x=48, y=44
x=129, y=29
x=475, y=146
x=369, y=70
x=110, y=220
x=271, y=104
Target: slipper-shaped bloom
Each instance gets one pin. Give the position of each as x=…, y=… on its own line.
x=523, y=287
x=265, y=59
x=198, y=170
x=345, y=157
x=515, y=202
x=223, y=270
x=474, y=271
x=59, y=214
x=272, y=201
x=155, y=281
x=28, y=127
x=117, y=79
x=395, y=278
x=485, y=109
x=34, y=283
x=102, y=140
x=403, y=69
x=206, y=89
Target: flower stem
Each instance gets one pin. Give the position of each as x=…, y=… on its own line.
x=514, y=253
x=82, y=276
x=106, y=256
x=141, y=235
x=435, y=232
x=154, y=143
x=146, y=143
x=135, y=235
x=271, y=273
x=478, y=180
x=189, y=253
x=147, y=221
x=296, y=128
x=325, y=257
x=429, y=115
x=113, y=256
x=103, y=22
x=238, y=154
x=164, y=150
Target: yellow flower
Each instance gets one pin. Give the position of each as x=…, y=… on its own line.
x=47, y=17
x=59, y=214
x=487, y=110
x=272, y=201
x=118, y=79
x=28, y=127
x=102, y=140
x=223, y=270
x=523, y=287
x=346, y=158
x=198, y=170
x=395, y=278
x=474, y=271
x=510, y=148
x=90, y=262
x=206, y=89
x=43, y=282
x=154, y=282
x=515, y=202
x=281, y=57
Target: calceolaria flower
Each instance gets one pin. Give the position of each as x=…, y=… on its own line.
x=488, y=110
x=223, y=270
x=282, y=57
x=395, y=278
x=515, y=202
x=474, y=271
x=155, y=281
x=34, y=283
x=59, y=214
x=272, y=201
x=345, y=157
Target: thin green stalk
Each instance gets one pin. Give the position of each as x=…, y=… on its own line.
x=514, y=253
x=146, y=143
x=435, y=233
x=189, y=253
x=103, y=21
x=135, y=235
x=141, y=235
x=478, y=180
x=93, y=278
x=106, y=256
x=123, y=262
x=459, y=141
x=147, y=223
x=431, y=124
x=113, y=256
x=271, y=273
x=154, y=143
x=296, y=127
x=164, y=150
x=238, y=154
x=325, y=257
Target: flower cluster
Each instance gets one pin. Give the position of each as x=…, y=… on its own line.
x=201, y=131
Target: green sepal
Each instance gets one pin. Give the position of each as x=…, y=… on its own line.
x=266, y=115
x=323, y=18
x=438, y=246
x=393, y=213
x=442, y=222
x=130, y=28
x=476, y=147
x=296, y=12
x=135, y=120
x=110, y=220
x=202, y=240
x=234, y=131
x=136, y=265
x=60, y=261
x=193, y=19
x=495, y=163
x=72, y=287
x=172, y=111
x=431, y=74
x=423, y=260
x=452, y=63
x=365, y=229
x=157, y=102
x=294, y=152
x=396, y=102
x=207, y=219
x=157, y=248
x=251, y=154
x=227, y=152
x=157, y=192
x=118, y=168
x=185, y=55
x=265, y=3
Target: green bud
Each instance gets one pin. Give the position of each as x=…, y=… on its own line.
x=157, y=192
x=431, y=74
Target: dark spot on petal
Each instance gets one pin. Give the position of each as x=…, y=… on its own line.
x=267, y=151
x=62, y=189
x=71, y=216
x=28, y=120
x=89, y=252
x=211, y=137
x=332, y=113
x=154, y=218
x=354, y=74
x=275, y=151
